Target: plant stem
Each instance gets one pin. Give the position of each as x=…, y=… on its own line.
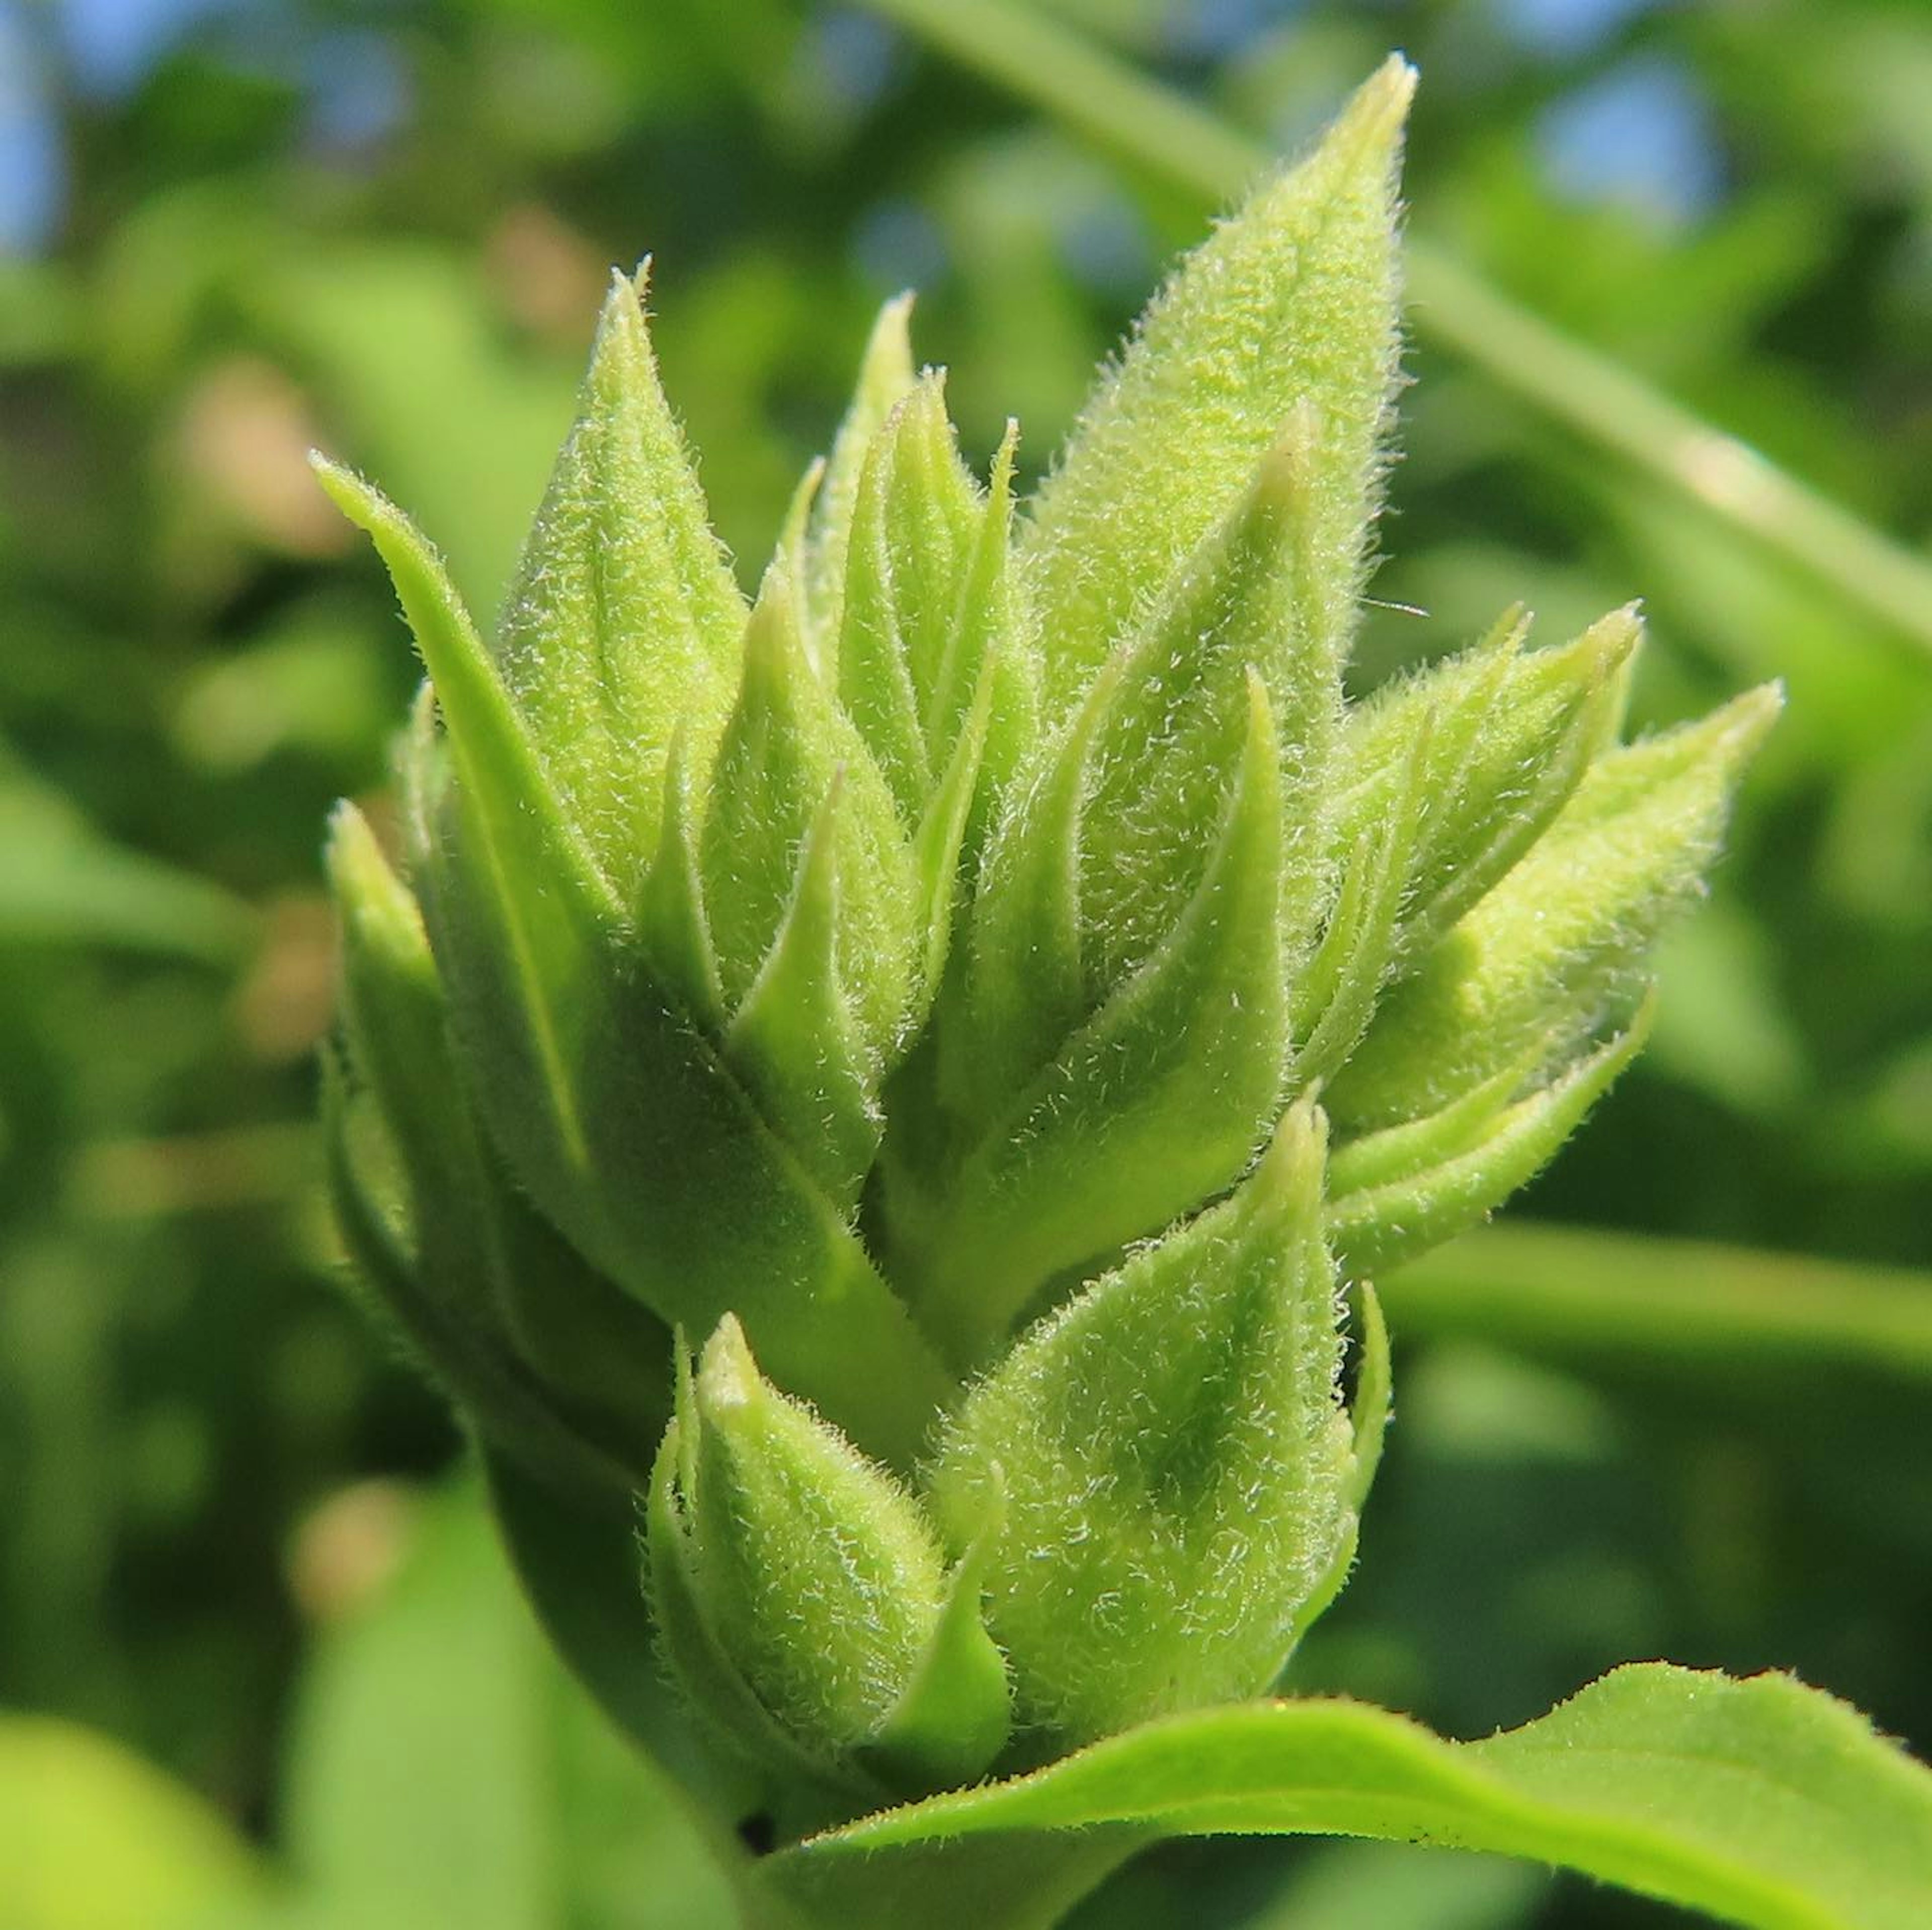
x=1163, y=133
x=1572, y=1291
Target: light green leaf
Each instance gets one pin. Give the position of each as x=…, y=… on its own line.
x=1023, y=988
x=914, y=535
x=63, y=883
x=444, y=1770
x=1510, y=732
x=1392, y=1201
x=671, y=924
x=525, y=881
x=956, y=1712
x=623, y=622
x=1762, y=1802
x=886, y=375
x=1173, y=720
x=1307, y=267
x=931, y=611
x=1560, y=948
x=785, y=740
x=1333, y=997
x=792, y=1039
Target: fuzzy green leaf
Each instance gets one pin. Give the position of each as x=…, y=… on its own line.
x=785, y=742
x=622, y=623
x=1292, y=302
x=514, y=877
x=1762, y=1802
x=1175, y=717
x=914, y=530
x=1509, y=734
x=1169, y=1453
x=886, y=375
x=1453, y=1169
x=930, y=609
x=1558, y=950
x=1025, y=986
x=956, y=1712
x=1333, y=997
x=792, y=1039
x=671, y=925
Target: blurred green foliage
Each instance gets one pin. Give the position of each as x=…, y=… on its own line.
x=384, y=228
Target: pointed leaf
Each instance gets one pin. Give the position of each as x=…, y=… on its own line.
x=671, y=924
x=1368, y=1415
x=784, y=741
x=534, y=906
x=1558, y=950
x=886, y=375
x=1293, y=299
x=1510, y=733
x=1176, y=717
x=1024, y=984
x=1375, y=1227
x=956, y=1712
x=792, y=1039
x=622, y=623
x=1334, y=998
x=927, y=600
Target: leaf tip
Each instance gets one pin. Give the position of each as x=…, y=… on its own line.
x=1374, y=119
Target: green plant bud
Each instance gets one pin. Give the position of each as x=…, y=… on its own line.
x=1510, y=734
x=1558, y=950
x=1307, y=267
x=915, y=524
x=1107, y=837
x=1152, y=1105
x=1172, y=1461
x=622, y=622
x=802, y=1593
x=880, y=965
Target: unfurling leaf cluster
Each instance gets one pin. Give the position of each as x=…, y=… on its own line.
x=994, y=975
